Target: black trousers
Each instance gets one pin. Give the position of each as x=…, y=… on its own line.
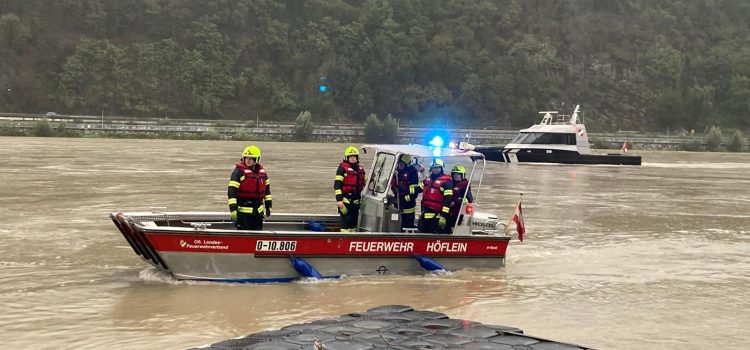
x=429, y=221
x=407, y=220
x=251, y=221
x=349, y=216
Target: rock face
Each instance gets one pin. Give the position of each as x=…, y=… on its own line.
x=392, y=327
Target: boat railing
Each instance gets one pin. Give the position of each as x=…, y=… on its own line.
x=593, y=148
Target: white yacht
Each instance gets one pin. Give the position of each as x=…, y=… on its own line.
x=558, y=138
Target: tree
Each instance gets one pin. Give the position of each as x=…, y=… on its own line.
x=303, y=126
x=390, y=130
x=373, y=129
x=42, y=128
x=713, y=139
x=96, y=75
x=737, y=143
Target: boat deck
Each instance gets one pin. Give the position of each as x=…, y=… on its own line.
x=392, y=327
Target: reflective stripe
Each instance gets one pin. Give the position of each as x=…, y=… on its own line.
x=337, y=192
x=409, y=211
x=267, y=198
x=261, y=208
x=429, y=215
x=448, y=192
x=234, y=184
x=421, y=185
x=268, y=182
x=344, y=210
x=347, y=201
x=412, y=189
x=242, y=178
x=339, y=178
x=232, y=201
x=446, y=210
x=407, y=198
x=348, y=230
x=246, y=210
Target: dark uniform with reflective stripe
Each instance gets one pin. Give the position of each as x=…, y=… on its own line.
x=461, y=194
x=406, y=187
x=437, y=194
x=348, y=185
x=249, y=194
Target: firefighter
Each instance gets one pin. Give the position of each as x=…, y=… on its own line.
x=405, y=184
x=437, y=194
x=249, y=191
x=461, y=194
x=350, y=180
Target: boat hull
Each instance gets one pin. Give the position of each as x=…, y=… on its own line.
x=499, y=154
x=263, y=256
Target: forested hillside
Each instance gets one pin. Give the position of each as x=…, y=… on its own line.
x=632, y=64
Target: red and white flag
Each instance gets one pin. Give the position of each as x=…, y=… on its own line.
x=624, y=149
x=517, y=218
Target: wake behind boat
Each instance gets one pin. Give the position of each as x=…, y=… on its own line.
x=206, y=246
x=556, y=139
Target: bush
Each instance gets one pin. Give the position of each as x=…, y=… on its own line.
x=42, y=128
x=242, y=136
x=737, y=142
x=373, y=129
x=212, y=135
x=303, y=126
x=693, y=146
x=713, y=140
x=7, y=129
x=389, y=130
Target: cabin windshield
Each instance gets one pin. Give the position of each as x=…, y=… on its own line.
x=528, y=138
x=381, y=173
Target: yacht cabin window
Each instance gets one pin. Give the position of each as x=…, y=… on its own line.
x=528, y=138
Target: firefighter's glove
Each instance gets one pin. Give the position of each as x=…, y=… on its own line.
x=441, y=222
x=268, y=211
x=233, y=215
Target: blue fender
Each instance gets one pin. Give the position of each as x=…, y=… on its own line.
x=304, y=269
x=429, y=264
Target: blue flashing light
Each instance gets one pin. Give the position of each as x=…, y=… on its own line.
x=436, y=141
x=323, y=88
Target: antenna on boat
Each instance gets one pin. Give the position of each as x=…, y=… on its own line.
x=574, y=117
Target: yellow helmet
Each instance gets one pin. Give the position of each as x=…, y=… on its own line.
x=437, y=163
x=405, y=158
x=251, y=151
x=351, y=151
x=458, y=169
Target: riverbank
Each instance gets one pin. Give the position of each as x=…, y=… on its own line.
x=191, y=129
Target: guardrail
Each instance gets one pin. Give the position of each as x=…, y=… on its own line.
x=342, y=132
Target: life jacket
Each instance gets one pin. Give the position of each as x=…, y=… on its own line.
x=354, y=180
x=432, y=196
x=252, y=184
x=459, y=193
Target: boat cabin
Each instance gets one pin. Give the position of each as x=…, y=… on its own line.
x=555, y=133
x=379, y=210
